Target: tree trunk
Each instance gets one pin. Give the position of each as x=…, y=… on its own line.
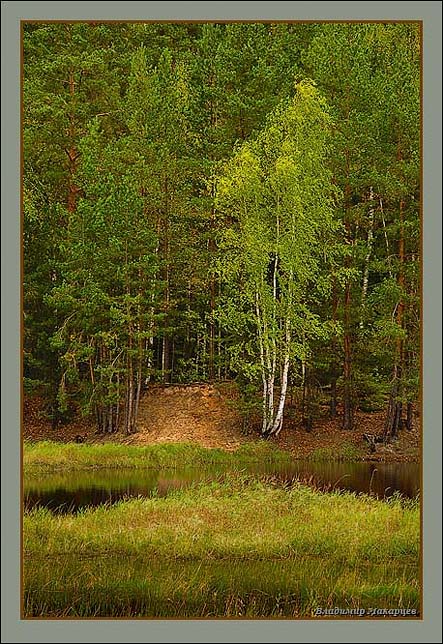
x=370, y=239
x=303, y=395
x=267, y=325
x=263, y=365
x=110, y=419
x=306, y=399
x=165, y=356
x=394, y=419
x=98, y=390
x=165, y=343
x=409, y=417
x=334, y=366
x=219, y=348
x=130, y=398
x=391, y=414
x=348, y=403
x=138, y=390
x=151, y=322
x=212, y=288
x=348, y=406
x=278, y=423
x=333, y=401
x=388, y=252
x=72, y=152
x=117, y=412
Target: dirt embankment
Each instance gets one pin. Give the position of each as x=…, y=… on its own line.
x=196, y=414
x=206, y=415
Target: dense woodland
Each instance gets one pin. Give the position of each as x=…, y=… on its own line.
x=212, y=202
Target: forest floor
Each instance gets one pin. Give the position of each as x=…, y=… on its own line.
x=206, y=415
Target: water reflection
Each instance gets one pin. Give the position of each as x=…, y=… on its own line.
x=74, y=491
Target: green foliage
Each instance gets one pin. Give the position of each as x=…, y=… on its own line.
x=167, y=166
x=280, y=194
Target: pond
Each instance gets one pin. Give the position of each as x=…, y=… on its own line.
x=74, y=491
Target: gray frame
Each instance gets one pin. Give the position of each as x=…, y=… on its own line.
x=15, y=630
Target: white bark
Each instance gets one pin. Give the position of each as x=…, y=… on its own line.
x=273, y=360
x=272, y=343
x=275, y=425
x=138, y=389
x=262, y=364
x=278, y=422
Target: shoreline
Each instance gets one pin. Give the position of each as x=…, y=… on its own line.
x=44, y=457
x=204, y=418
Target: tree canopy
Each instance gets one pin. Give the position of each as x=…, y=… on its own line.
x=207, y=202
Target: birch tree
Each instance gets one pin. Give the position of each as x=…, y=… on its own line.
x=279, y=193
x=132, y=274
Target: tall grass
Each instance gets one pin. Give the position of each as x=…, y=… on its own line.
x=50, y=456
x=238, y=517
x=236, y=547
x=344, y=453
x=144, y=587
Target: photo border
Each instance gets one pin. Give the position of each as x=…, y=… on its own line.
x=17, y=630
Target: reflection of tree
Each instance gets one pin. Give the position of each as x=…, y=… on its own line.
x=67, y=493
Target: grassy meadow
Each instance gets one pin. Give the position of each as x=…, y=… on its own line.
x=48, y=456
x=237, y=547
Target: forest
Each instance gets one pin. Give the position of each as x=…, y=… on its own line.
x=221, y=300
x=212, y=202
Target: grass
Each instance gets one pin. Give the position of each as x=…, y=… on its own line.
x=45, y=456
x=140, y=587
x=345, y=453
x=238, y=517
x=239, y=547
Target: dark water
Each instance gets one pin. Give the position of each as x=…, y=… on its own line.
x=76, y=490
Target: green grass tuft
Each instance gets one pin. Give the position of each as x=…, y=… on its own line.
x=346, y=453
x=236, y=547
x=50, y=456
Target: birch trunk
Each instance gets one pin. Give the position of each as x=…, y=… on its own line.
x=278, y=422
x=138, y=390
x=262, y=365
x=334, y=365
x=117, y=412
x=275, y=424
x=394, y=420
